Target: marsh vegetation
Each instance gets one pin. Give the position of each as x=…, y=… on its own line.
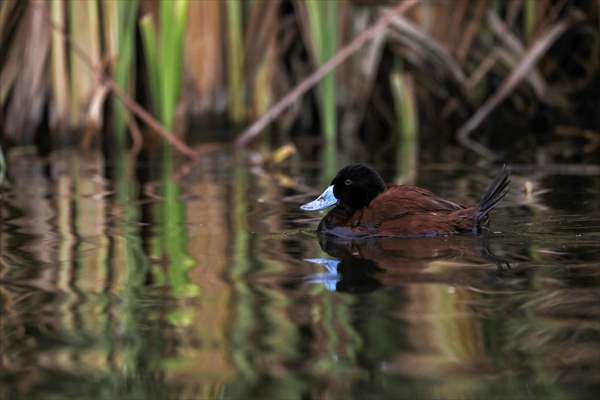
x=155, y=154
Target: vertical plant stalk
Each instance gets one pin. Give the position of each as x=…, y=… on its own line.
x=26, y=75
x=164, y=53
x=260, y=52
x=204, y=55
x=120, y=38
x=150, y=53
x=173, y=15
x=59, y=83
x=85, y=33
x=530, y=18
x=11, y=54
x=235, y=61
x=323, y=21
x=407, y=154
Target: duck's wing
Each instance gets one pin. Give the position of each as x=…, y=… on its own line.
x=431, y=223
x=408, y=209
x=413, y=199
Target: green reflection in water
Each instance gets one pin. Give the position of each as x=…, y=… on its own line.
x=129, y=254
x=280, y=338
x=174, y=238
x=337, y=343
x=242, y=321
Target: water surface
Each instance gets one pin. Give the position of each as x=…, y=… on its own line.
x=211, y=284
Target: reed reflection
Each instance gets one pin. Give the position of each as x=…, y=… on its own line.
x=88, y=309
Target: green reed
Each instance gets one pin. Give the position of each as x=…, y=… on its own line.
x=119, y=28
x=323, y=23
x=529, y=18
x=407, y=119
x=235, y=53
x=164, y=55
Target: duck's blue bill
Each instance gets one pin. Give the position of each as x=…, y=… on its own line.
x=325, y=200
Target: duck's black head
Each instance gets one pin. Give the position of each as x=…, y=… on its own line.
x=353, y=188
x=356, y=185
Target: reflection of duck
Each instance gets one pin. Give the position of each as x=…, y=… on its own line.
x=366, y=264
x=349, y=274
x=365, y=206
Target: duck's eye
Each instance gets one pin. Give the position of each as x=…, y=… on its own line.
x=348, y=182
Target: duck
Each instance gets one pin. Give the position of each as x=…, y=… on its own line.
x=364, y=206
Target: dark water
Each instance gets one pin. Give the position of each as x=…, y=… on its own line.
x=216, y=287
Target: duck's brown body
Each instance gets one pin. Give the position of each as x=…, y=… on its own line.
x=402, y=211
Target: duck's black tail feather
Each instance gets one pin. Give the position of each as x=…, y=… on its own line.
x=496, y=192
